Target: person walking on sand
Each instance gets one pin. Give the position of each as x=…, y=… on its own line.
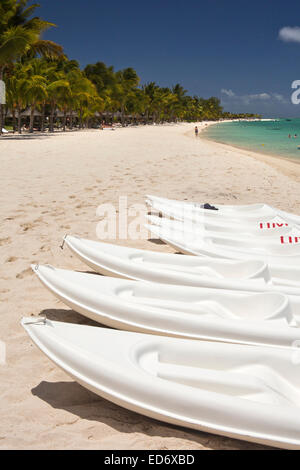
x=196, y=131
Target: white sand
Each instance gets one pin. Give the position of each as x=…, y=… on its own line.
x=52, y=186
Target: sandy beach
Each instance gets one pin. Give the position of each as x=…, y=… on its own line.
x=52, y=185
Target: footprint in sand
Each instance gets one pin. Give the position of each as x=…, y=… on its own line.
x=5, y=241
x=44, y=248
x=11, y=259
x=4, y=291
x=26, y=226
x=24, y=273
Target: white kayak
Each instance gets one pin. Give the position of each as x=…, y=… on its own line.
x=194, y=211
x=282, y=250
x=239, y=391
x=189, y=312
x=272, y=228
x=166, y=268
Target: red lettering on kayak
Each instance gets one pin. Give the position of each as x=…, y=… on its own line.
x=290, y=240
x=264, y=225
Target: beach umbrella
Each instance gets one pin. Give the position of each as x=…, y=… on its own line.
x=27, y=112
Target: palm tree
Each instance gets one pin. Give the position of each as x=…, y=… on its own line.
x=35, y=92
x=126, y=82
x=15, y=94
x=20, y=36
x=56, y=90
x=103, y=77
x=84, y=95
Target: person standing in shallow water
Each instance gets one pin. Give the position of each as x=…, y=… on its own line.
x=196, y=131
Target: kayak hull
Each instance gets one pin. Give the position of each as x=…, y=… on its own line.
x=274, y=251
x=196, y=271
x=248, y=214
x=238, y=391
x=187, y=312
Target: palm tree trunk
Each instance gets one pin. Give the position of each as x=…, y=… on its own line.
x=64, y=121
x=51, y=124
x=19, y=121
x=123, y=116
x=43, y=119
x=1, y=105
x=14, y=119
x=31, y=118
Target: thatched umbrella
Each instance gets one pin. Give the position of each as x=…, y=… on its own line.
x=27, y=113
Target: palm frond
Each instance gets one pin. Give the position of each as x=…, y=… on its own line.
x=47, y=49
x=14, y=42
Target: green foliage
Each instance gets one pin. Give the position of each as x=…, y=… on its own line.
x=20, y=34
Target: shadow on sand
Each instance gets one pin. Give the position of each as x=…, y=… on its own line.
x=75, y=399
x=27, y=136
x=156, y=241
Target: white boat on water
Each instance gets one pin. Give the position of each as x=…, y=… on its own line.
x=188, y=312
x=166, y=268
x=239, y=391
x=245, y=214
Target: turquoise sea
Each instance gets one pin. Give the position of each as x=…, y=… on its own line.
x=269, y=137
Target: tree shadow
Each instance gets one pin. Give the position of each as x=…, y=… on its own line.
x=27, y=136
x=75, y=399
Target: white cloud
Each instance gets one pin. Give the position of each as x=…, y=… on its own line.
x=228, y=92
x=289, y=34
x=280, y=98
x=255, y=97
x=259, y=96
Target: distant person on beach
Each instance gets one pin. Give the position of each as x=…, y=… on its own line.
x=295, y=136
x=196, y=131
x=289, y=136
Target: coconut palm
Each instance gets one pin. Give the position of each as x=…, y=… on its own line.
x=103, y=77
x=15, y=93
x=20, y=36
x=84, y=95
x=126, y=82
x=36, y=92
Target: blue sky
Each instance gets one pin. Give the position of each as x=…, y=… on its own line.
x=207, y=46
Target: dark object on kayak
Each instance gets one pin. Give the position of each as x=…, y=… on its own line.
x=208, y=206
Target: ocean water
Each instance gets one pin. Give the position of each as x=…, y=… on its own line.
x=270, y=137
